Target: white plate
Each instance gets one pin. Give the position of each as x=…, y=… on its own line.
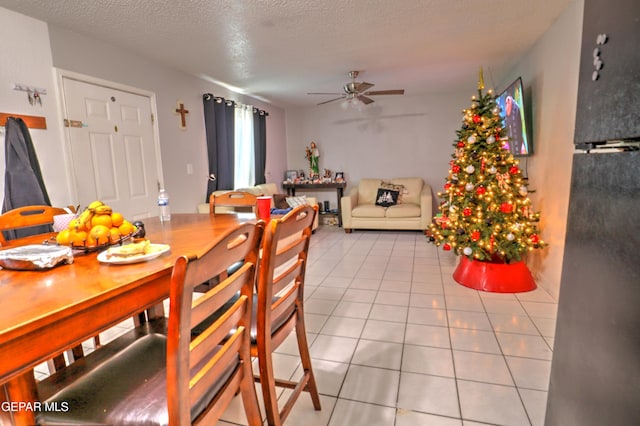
x=158, y=250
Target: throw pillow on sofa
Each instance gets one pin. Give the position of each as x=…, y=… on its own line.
x=280, y=201
x=297, y=201
x=394, y=187
x=387, y=197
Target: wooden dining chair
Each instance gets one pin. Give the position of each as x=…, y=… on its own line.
x=28, y=220
x=35, y=220
x=280, y=302
x=233, y=200
x=178, y=379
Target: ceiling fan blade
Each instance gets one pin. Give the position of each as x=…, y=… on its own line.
x=324, y=93
x=385, y=92
x=365, y=100
x=361, y=87
x=331, y=100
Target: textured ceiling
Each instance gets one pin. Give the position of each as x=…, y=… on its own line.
x=278, y=50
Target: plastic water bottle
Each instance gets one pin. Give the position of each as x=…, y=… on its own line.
x=163, y=203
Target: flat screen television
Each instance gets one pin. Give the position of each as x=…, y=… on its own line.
x=513, y=111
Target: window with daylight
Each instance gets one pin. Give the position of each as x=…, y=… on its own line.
x=244, y=159
x=236, y=144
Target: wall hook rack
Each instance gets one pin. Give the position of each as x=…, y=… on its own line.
x=30, y=89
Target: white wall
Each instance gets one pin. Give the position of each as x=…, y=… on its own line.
x=550, y=71
x=397, y=136
x=179, y=146
x=27, y=60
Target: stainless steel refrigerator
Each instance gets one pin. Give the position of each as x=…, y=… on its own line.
x=595, y=371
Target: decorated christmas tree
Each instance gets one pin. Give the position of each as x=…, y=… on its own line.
x=485, y=213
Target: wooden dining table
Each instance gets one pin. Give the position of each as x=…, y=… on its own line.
x=45, y=312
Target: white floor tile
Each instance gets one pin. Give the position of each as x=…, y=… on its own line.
x=372, y=353
x=474, y=340
x=524, y=346
x=427, y=335
x=469, y=320
x=345, y=327
x=427, y=360
x=384, y=331
x=426, y=316
x=388, y=313
x=481, y=367
x=493, y=404
x=350, y=413
x=530, y=373
x=372, y=385
x=428, y=394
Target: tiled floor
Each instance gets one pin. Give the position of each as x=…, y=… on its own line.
x=396, y=342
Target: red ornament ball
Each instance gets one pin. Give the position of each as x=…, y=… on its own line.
x=476, y=119
x=534, y=239
x=513, y=170
x=455, y=169
x=446, y=247
x=460, y=144
x=475, y=236
x=481, y=190
x=506, y=208
x=447, y=186
x=466, y=211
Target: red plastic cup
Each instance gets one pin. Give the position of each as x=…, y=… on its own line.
x=264, y=208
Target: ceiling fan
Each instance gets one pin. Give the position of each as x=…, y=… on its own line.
x=355, y=91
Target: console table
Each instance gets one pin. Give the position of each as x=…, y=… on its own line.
x=338, y=186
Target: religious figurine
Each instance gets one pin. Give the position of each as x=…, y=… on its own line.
x=312, y=155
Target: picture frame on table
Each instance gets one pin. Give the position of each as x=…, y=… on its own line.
x=290, y=175
x=339, y=177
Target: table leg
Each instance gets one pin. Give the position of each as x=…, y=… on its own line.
x=340, y=194
x=22, y=390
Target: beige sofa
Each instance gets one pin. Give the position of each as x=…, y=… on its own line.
x=263, y=189
x=413, y=211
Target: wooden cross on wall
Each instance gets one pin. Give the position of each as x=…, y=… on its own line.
x=183, y=115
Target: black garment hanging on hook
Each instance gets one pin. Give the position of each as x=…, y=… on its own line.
x=23, y=183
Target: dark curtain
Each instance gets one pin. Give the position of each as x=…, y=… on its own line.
x=23, y=183
x=260, y=143
x=219, y=122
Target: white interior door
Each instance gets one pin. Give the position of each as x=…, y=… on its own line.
x=113, y=151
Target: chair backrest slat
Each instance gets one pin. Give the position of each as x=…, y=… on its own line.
x=26, y=217
x=196, y=364
x=233, y=199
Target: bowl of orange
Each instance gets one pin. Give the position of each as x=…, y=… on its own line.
x=96, y=228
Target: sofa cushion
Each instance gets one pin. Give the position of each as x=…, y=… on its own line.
x=412, y=189
x=268, y=188
x=368, y=210
x=251, y=190
x=403, y=210
x=367, y=191
x=387, y=197
x=392, y=186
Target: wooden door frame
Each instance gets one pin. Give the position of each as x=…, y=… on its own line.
x=83, y=78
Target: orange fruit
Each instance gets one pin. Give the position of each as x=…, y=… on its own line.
x=63, y=237
x=77, y=238
x=126, y=228
x=117, y=219
x=101, y=234
x=114, y=235
x=101, y=219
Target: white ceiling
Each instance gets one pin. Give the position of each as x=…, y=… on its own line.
x=278, y=50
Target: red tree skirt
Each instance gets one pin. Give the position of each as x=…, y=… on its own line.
x=512, y=277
